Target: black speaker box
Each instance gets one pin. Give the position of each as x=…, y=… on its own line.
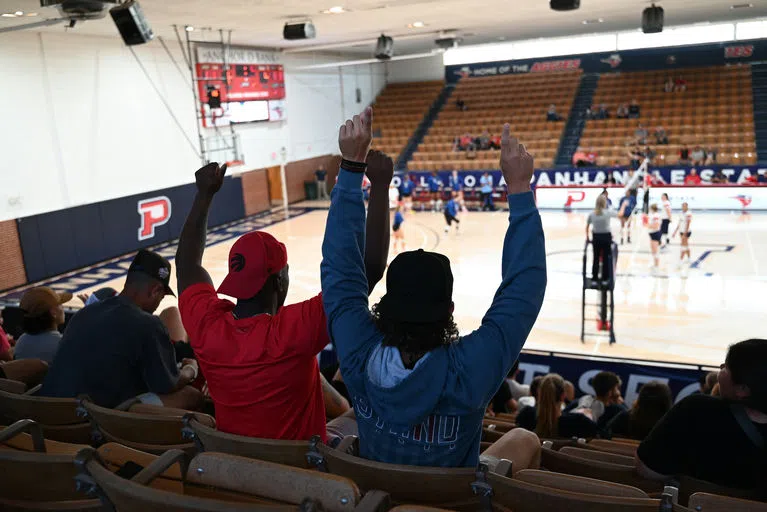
x=294, y=31
x=652, y=20
x=130, y=21
x=564, y=5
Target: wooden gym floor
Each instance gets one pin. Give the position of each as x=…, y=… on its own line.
x=685, y=315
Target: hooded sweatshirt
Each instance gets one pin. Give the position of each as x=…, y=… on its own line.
x=430, y=415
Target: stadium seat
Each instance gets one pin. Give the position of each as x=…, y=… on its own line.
x=13, y=386
x=57, y=416
x=223, y=482
x=607, y=471
x=148, y=428
x=208, y=439
x=597, y=455
x=429, y=486
x=579, y=484
x=615, y=447
x=688, y=486
x=38, y=474
x=705, y=502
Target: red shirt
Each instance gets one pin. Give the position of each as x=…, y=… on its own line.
x=262, y=371
x=692, y=180
x=5, y=345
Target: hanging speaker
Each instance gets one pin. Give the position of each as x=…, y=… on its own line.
x=131, y=23
x=652, y=20
x=384, y=48
x=295, y=31
x=564, y=5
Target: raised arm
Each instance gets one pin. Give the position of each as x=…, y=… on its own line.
x=486, y=355
x=344, y=284
x=191, y=245
x=380, y=171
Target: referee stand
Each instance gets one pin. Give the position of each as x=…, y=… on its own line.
x=603, y=304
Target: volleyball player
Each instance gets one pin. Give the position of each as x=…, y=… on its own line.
x=665, y=216
x=393, y=196
x=406, y=192
x=683, y=228
x=397, y=231
x=625, y=211
x=455, y=183
x=654, y=227
x=435, y=190
x=451, y=210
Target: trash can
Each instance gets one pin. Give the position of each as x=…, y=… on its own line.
x=310, y=190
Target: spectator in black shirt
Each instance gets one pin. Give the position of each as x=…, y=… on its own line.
x=503, y=401
x=460, y=104
x=547, y=419
x=634, y=110
x=720, y=177
x=622, y=112
x=653, y=403
x=684, y=155
x=719, y=440
x=551, y=114
x=660, y=136
x=116, y=349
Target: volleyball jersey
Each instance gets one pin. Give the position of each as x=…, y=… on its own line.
x=655, y=219
x=665, y=208
x=684, y=221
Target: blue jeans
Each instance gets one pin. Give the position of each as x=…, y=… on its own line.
x=487, y=201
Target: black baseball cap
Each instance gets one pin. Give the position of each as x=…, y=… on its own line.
x=419, y=288
x=153, y=265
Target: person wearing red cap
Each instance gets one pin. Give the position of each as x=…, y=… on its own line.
x=420, y=390
x=259, y=355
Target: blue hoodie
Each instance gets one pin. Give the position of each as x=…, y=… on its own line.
x=430, y=415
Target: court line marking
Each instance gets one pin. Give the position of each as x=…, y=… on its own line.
x=105, y=271
x=751, y=252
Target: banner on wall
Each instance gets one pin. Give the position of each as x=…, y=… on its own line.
x=714, y=197
x=682, y=379
x=565, y=177
x=718, y=54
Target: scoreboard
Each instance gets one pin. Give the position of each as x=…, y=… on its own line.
x=247, y=82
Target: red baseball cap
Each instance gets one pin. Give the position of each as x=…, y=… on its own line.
x=252, y=259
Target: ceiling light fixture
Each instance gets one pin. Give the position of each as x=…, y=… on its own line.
x=336, y=9
x=416, y=24
x=741, y=6
x=31, y=14
x=19, y=13
x=591, y=22
x=8, y=15
x=189, y=28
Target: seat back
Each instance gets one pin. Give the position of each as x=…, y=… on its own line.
x=617, y=448
x=208, y=439
x=705, y=502
x=579, y=484
x=13, y=386
x=152, y=429
x=597, y=455
x=32, y=476
x=689, y=486
x=522, y=496
x=272, y=481
x=131, y=496
x=57, y=416
x=572, y=465
x=418, y=485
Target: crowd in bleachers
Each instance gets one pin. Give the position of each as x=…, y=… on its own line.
x=414, y=413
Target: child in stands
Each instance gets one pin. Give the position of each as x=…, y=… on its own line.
x=451, y=210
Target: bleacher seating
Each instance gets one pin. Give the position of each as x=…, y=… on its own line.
x=399, y=109
x=715, y=111
x=521, y=100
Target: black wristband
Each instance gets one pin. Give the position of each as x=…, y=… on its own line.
x=352, y=166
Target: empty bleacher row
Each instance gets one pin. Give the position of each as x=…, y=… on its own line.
x=399, y=109
x=715, y=112
x=70, y=454
x=521, y=100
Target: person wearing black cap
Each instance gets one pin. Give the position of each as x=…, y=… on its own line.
x=116, y=349
x=419, y=390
